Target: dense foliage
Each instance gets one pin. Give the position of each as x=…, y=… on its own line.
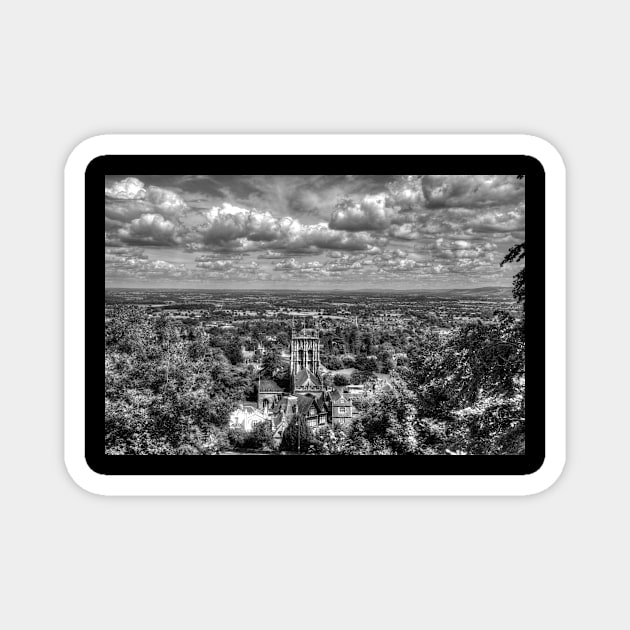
x=259, y=438
x=165, y=395
x=298, y=437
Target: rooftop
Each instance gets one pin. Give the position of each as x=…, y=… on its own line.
x=267, y=385
x=305, y=377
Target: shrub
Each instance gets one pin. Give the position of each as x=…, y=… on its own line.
x=340, y=380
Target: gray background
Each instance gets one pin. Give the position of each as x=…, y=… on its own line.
x=72, y=70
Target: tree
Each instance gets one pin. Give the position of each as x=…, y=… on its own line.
x=332, y=362
x=327, y=380
x=366, y=364
x=340, y=380
x=166, y=395
x=334, y=441
x=271, y=364
x=384, y=357
x=367, y=343
x=233, y=351
x=290, y=441
x=389, y=424
x=128, y=330
x=261, y=436
x=494, y=425
x=358, y=377
x=515, y=254
x=472, y=383
x=354, y=343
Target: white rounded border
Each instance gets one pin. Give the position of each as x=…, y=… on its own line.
x=312, y=485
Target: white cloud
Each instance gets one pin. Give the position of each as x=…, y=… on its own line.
x=230, y=228
x=472, y=191
x=149, y=229
x=128, y=188
x=128, y=202
x=371, y=213
x=166, y=202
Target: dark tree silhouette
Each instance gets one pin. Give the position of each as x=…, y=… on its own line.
x=516, y=253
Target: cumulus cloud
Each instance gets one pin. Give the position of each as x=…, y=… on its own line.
x=472, y=191
x=119, y=212
x=347, y=264
x=320, y=237
x=216, y=265
x=230, y=223
x=123, y=254
x=511, y=220
x=269, y=255
x=241, y=229
x=371, y=213
x=414, y=207
x=340, y=267
x=222, y=256
x=394, y=261
x=166, y=202
x=149, y=229
x=290, y=264
x=306, y=197
x=126, y=264
x=128, y=188
x=147, y=215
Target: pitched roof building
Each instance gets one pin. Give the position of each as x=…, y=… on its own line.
x=308, y=401
x=340, y=408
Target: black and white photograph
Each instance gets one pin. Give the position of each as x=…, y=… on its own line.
x=314, y=314
x=366, y=341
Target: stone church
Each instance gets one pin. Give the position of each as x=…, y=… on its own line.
x=308, y=400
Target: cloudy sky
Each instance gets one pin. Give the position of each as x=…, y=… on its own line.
x=311, y=231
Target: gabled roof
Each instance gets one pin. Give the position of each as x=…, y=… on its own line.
x=306, y=401
x=304, y=378
x=320, y=403
x=337, y=395
x=304, y=404
x=267, y=385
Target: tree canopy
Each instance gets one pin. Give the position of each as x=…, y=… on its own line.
x=164, y=395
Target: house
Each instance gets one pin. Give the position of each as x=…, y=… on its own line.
x=340, y=407
x=246, y=416
x=312, y=410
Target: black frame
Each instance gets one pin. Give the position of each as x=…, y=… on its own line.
x=140, y=165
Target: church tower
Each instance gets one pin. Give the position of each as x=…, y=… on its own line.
x=305, y=366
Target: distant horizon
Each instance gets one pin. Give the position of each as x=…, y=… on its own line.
x=322, y=290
